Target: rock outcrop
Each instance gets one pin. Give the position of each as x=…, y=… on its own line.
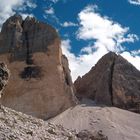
x=40, y=82
x=112, y=81
x=4, y=76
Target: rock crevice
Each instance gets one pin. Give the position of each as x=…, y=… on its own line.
x=111, y=79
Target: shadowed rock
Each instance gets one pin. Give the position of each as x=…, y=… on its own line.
x=112, y=81
x=4, y=76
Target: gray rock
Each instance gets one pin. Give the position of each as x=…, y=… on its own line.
x=112, y=81
x=4, y=76
x=18, y=126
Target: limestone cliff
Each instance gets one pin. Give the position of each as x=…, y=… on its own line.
x=40, y=82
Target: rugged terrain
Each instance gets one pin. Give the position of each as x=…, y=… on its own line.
x=18, y=126
x=113, y=81
x=40, y=83
x=116, y=124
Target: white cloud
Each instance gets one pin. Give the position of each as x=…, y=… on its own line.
x=135, y=60
x=69, y=24
x=135, y=52
x=8, y=8
x=54, y=1
x=75, y=63
x=24, y=15
x=82, y=63
x=50, y=11
x=30, y=4
x=106, y=32
x=107, y=36
x=135, y=2
x=50, y=15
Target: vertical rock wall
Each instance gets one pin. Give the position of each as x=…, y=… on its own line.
x=38, y=84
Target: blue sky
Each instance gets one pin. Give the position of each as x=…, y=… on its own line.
x=88, y=28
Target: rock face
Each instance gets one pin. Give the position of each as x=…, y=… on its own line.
x=4, y=76
x=113, y=81
x=40, y=82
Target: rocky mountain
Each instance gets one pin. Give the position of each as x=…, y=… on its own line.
x=40, y=83
x=112, y=81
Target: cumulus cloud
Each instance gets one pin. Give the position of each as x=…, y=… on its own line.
x=82, y=63
x=24, y=15
x=135, y=52
x=30, y=4
x=135, y=2
x=69, y=24
x=54, y=1
x=106, y=34
x=133, y=59
x=50, y=11
x=9, y=7
x=49, y=14
x=6, y=10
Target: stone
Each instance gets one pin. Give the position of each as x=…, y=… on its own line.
x=16, y=125
x=126, y=85
x=113, y=81
x=89, y=135
x=28, y=128
x=4, y=77
x=40, y=84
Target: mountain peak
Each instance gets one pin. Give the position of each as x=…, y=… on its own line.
x=111, y=82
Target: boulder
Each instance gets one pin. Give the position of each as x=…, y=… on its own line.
x=4, y=76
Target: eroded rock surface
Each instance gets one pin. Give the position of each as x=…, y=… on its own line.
x=18, y=126
x=40, y=82
x=4, y=76
x=112, y=81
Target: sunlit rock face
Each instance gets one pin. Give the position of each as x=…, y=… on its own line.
x=40, y=82
x=112, y=81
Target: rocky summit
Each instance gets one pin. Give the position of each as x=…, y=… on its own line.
x=40, y=83
x=112, y=81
